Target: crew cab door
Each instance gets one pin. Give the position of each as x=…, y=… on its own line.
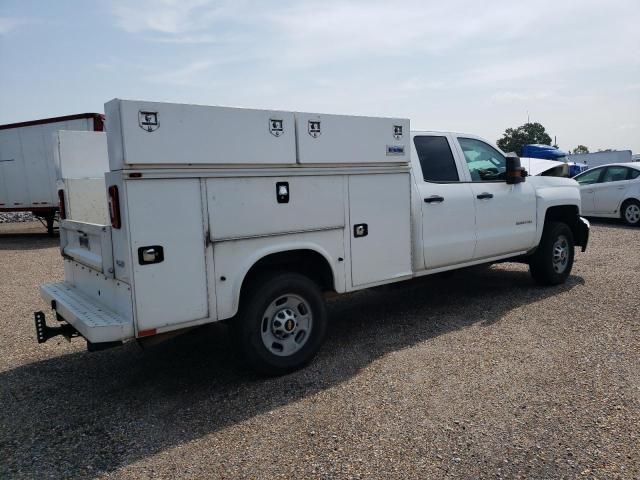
x=448, y=216
x=505, y=214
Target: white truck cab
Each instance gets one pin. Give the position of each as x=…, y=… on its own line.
x=252, y=216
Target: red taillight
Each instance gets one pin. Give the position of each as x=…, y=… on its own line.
x=114, y=207
x=62, y=207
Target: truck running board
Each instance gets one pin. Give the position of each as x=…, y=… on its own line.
x=45, y=332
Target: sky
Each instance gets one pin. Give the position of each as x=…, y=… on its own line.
x=470, y=66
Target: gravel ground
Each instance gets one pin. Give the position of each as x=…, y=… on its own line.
x=479, y=374
x=16, y=217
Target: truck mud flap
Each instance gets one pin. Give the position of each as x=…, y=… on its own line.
x=582, y=233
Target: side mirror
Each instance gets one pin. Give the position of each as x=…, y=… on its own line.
x=515, y=172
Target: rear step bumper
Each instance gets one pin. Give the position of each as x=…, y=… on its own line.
x=95, y=322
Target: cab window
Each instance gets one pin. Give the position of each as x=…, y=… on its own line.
x=485, y=163
x=587, y=178
x=436, y=160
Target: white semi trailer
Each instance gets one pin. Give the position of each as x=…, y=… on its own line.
x=252, y=216
x=28, y=181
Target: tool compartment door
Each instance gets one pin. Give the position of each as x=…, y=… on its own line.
x=380, y=227
x=166, y=217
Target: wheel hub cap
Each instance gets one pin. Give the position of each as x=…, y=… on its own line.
x=283, y=323
x=286, y=325
x=632, y=213
x=560, y=258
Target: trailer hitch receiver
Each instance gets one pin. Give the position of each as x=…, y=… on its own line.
x=45, y=332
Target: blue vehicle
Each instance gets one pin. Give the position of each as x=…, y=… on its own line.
x=547, y=152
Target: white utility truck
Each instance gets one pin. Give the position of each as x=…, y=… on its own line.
x=27, y=169
x=252, y=216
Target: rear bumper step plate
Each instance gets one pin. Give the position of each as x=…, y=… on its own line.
x=94, y=321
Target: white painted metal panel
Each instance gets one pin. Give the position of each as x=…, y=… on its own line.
x=88, y=244
x=160, y=134
x=92, y=318
x=108, y=291
x=345, y=139
x=14, y=189
x=168, y=213
x=382, y=203
x=86, y=200
x=248, y=207
x=234, y=258
x=81, y=154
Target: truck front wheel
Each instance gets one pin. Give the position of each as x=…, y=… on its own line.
x=552, y=262
x=281, y=324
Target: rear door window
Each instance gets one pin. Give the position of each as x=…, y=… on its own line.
x=616, y=174
x=436, y=160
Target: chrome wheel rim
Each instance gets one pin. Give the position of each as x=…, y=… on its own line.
x=560, y=254
x=632, y=213
x=286, y=325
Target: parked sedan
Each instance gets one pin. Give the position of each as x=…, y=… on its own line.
x=611, y=191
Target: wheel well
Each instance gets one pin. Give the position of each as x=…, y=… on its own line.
x=570, y=215
x=306, y=262
x=563, y=213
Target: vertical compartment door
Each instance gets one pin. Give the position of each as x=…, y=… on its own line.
x=380, y=228
x=168, y=251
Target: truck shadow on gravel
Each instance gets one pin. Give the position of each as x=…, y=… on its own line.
x=81, y=414
x=27, y=241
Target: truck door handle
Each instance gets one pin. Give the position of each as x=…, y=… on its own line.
x=150, y=254
x=434, y=199
x=484, y=195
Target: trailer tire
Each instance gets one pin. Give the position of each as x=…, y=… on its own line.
x=552, y=261
x=281, y=324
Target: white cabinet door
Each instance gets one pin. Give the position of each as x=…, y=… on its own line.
x=168, y=215
x=380, y=228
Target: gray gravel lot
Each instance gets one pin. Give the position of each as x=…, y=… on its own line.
x=479, y=374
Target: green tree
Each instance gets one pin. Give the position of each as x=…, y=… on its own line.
x=514, y=139
x=581, y=149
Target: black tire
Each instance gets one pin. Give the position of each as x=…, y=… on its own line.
x=249, y=328
x=543, y=268
x=631, y=219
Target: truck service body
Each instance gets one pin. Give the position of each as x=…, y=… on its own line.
x=251, y=215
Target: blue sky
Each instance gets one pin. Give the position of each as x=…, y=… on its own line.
x=471, y=66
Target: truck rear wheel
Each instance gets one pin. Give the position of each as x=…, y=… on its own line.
x=282, y=323
x=552, y=262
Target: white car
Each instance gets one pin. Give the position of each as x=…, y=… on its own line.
x=611, y=191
